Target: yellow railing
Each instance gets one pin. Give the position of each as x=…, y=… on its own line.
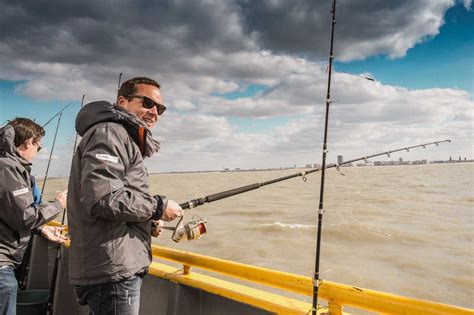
x=337, y=295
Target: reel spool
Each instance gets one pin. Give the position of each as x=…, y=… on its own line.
x=192, y=230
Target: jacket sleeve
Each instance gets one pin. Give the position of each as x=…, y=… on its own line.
x=17, y=205
x=106, y=157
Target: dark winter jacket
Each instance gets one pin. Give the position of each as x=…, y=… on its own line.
x=18, y=212
x=109, y=203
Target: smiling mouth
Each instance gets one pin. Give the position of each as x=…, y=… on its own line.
x=148, y=121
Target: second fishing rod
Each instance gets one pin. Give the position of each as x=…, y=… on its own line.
x=57, y=259
x=25, y=266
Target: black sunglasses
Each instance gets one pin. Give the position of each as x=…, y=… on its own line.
x=38, y=146
x=148, y=103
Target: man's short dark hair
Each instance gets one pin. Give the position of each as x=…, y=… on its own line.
x=26, y=129
x=129, y=87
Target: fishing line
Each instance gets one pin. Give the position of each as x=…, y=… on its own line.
x=58, y=113
x=360, y=223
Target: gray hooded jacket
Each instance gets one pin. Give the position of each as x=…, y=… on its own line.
x=109, y=203
x=18, y=213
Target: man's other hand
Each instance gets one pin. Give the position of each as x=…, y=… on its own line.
x=53, y=234
x=62, y=198
x=156, y=228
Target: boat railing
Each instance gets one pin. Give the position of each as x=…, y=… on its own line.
x=338, y=295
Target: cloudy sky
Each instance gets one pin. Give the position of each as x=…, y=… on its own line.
x=245, y=81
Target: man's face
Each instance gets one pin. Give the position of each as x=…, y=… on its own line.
x=135, y=105
x=29, y=149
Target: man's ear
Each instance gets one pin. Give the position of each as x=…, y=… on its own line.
x=121, y=101
x=29, y=142
x=25, y=145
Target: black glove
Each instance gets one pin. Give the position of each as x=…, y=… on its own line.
x=161, y=204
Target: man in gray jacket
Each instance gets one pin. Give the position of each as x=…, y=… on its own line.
x=110, y=208
x=20, y=140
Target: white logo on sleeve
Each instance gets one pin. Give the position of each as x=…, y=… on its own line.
x=107, y=157
x=20, y=191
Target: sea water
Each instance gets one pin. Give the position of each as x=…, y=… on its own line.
x=406, y=230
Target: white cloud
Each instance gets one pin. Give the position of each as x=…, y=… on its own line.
x=414, y=29
x=467, y=4
x=60, y=81
x=183, y=105
x=190, y=127
x=369, y=117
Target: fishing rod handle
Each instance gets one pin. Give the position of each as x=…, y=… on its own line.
x=192, y=203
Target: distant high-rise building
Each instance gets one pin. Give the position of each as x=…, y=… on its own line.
x=340, y=159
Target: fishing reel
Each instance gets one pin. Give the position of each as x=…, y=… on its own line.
x=192, y=230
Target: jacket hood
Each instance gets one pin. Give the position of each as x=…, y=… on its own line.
x=103, y=111
x=7, y=145
x=7, y=137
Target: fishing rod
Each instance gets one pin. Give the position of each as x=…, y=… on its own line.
x=197, y=227
x=56, y=115
x=6, y=121
x=51, y=154
x=54, y=275
x=75, y=139
x=316, y=279
x=240, y=190
x=23, y=279
x=119, y=81
x=357, y=75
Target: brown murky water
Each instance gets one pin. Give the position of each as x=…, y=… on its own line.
x=406, y=230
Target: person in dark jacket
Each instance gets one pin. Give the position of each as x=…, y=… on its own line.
x=110, y=207
x=20, y=140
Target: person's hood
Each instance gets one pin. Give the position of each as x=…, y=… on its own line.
x=7, y=145
x=103, y=111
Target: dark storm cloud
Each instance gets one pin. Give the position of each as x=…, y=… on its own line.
x=196, y=47
x=90, y=42
x=98, y=31
x=363, y=28
x=140, y=32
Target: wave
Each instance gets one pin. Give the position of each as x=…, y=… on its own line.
x=250, y=213
x=346, y=232
x=465, y=282
x=282, y=226
x=356, y=232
